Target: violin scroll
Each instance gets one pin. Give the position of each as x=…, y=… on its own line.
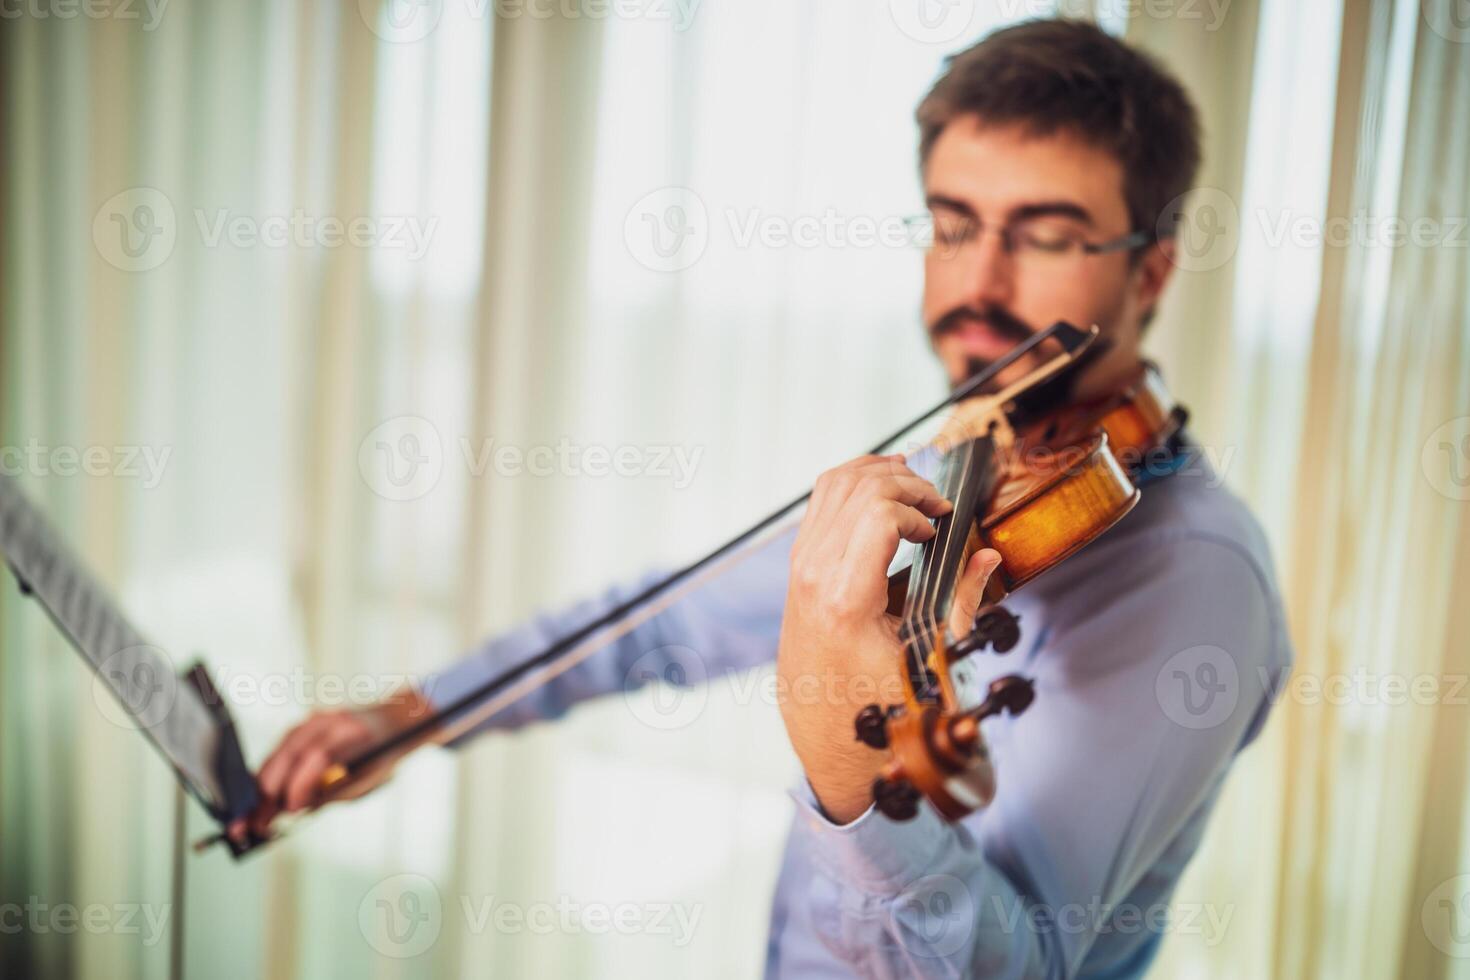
x=942, y=757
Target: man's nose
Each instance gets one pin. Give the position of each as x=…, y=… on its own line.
x=989, y=270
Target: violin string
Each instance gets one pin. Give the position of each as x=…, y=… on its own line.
x=955, y=520
x=924, y=626
x=909, y=628
x=965, y=453
x=927, y=584
x=914, y=627
x=914, y=606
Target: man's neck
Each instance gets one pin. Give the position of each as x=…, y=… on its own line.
x=1116, y=372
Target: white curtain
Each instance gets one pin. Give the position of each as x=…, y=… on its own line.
x=1323, y=333
x=632, y=233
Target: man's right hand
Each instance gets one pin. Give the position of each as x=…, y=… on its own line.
x=290, y=779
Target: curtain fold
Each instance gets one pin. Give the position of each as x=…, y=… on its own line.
x=1356, y=785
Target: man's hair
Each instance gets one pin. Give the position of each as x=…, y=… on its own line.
x=1069, y=76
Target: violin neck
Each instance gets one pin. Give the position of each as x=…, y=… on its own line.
x=968, y=477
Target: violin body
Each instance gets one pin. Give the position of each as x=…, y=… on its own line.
x=1052, y=483
x=1042, y=518
x=1057, y=500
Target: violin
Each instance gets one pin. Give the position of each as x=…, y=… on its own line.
x=1036, y=483
x=1030, y=474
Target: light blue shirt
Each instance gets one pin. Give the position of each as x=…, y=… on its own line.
x=1157, y=653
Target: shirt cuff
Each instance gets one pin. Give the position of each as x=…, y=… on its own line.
x=443, y=688
x=873, y=853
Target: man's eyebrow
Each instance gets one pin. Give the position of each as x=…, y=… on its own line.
x=1051, y=209
x=933, y=201
x=1037, y=209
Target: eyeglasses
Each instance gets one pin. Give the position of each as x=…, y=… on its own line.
x=1036, y=241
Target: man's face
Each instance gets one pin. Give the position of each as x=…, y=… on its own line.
x=980, y=301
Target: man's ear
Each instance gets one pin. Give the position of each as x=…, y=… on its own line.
x=1155, y=267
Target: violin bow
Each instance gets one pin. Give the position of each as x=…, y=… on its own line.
x=473, y=708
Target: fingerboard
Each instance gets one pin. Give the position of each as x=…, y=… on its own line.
x=967, y=478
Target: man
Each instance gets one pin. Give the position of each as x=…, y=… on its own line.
x=1050, y=153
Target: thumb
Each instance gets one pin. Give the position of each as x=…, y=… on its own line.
x=971, y=590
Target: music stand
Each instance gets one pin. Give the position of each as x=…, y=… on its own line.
x=182, y=715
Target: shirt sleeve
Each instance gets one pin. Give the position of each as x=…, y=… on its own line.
x=1164, y=670
x=725, y=625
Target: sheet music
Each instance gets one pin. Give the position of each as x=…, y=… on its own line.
x=148, y=687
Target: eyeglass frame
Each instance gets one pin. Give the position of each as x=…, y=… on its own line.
x=1131, y=241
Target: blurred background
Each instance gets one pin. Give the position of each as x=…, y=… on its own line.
x=246, y=247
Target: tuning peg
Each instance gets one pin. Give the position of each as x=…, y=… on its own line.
x=871, y=724
x=997, y=626
x=1012, y=693
x=895, y=799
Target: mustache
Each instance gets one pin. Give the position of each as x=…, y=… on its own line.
x=1002, y=321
